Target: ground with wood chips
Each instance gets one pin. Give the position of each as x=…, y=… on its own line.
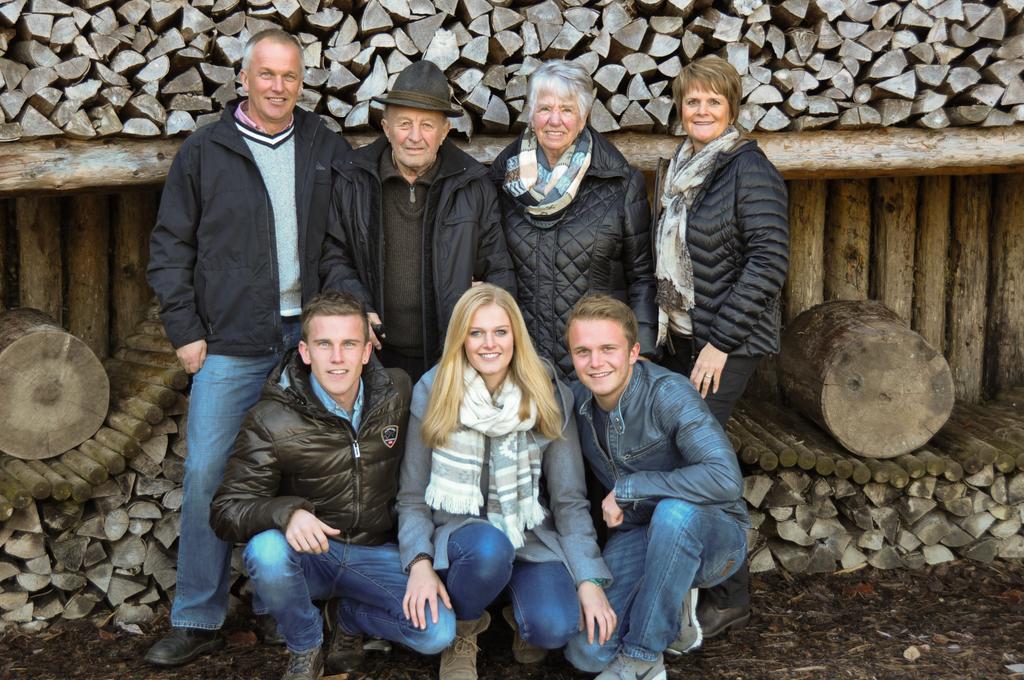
x=959, y=620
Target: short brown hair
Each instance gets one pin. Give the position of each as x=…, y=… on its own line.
x=604, y=308
x=713, y=74
x=333, y=303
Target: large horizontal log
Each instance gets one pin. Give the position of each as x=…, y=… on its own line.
x=51, y=166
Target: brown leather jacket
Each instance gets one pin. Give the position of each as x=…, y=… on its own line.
x=292, y=453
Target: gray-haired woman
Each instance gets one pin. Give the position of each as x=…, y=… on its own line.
x=575, y=214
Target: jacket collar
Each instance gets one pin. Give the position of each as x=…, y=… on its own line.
x=225, y=131
x=289, y=383
x=454, y=162
x=587, y=404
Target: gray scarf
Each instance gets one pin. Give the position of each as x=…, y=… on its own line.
x=513, y=494
x=673, y=268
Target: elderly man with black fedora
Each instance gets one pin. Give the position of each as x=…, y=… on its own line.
x=416, y=223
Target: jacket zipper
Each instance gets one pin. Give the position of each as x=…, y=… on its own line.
x=597, y=440
x=359, y=482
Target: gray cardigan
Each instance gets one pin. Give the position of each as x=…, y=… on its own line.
x=567, y=530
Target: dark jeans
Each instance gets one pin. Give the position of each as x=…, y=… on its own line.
x=483, y=566
x=734, y=591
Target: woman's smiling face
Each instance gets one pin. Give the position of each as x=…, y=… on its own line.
x=705, y=115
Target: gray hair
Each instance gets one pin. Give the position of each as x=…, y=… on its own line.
x=280, y=36
x=563, y=79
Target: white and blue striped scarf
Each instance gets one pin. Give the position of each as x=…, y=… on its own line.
x=513, y=494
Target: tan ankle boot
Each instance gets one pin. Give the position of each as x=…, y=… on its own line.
x=458, y=662
x=522, y=651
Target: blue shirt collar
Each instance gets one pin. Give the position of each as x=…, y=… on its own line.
x=332, y=406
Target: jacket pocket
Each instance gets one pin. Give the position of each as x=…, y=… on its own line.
x=642, y=451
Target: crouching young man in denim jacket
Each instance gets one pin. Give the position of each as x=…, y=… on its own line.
x=674, y=504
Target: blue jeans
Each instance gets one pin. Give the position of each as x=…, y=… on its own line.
x=483, y=565
x=368, y=580
x=684, y=546
x=222, y=391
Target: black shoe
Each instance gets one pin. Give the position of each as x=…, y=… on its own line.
x=344, y=651
x=266, y=629
x=182, y=645
x=305, y=665
x=715, y=621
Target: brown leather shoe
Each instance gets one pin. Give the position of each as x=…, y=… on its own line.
x=522, y=651
x=458, y=662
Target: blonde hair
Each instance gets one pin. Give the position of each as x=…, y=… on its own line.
x=713, y=74
x=526, y=370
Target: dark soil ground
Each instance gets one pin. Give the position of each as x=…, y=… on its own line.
x=960, y=620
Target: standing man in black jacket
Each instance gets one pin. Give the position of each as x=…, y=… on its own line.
x=235, y=251
x=311, y=486
x=417, y=223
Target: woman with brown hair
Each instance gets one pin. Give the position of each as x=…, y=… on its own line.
x=721, y=253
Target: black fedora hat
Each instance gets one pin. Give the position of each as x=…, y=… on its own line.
x=422, y=86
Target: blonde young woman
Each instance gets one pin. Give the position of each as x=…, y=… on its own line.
x=476, y=521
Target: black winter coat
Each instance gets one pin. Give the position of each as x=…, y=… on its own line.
x=738, y=235
x=600, y=243
x=462, y=238
x=213, y=253
x=292, y=453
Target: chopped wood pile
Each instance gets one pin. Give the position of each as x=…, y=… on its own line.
x=149, y=68
x=817, y=508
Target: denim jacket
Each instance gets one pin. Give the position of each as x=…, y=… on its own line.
x=663, y=443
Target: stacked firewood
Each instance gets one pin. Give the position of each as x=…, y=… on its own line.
x=147, y=68
x=99, y=523
x=816, y=507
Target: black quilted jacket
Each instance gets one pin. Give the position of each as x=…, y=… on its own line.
x=292, y=453
x=738, y=235
x=601, y=243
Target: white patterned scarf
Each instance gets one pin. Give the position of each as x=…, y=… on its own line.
x=513, y=494
x=522, y=173
x=673, y=268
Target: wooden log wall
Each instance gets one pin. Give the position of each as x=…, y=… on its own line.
x=81, y=259
x=945, y=253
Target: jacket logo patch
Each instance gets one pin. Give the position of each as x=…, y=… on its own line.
x=390, y=435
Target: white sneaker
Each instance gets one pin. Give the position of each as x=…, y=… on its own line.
x=690, y=635
x=624, y=667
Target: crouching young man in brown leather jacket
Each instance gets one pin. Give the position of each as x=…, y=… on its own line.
x=310, y=487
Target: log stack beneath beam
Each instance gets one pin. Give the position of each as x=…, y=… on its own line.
x=137, y=68
x=817, y=508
